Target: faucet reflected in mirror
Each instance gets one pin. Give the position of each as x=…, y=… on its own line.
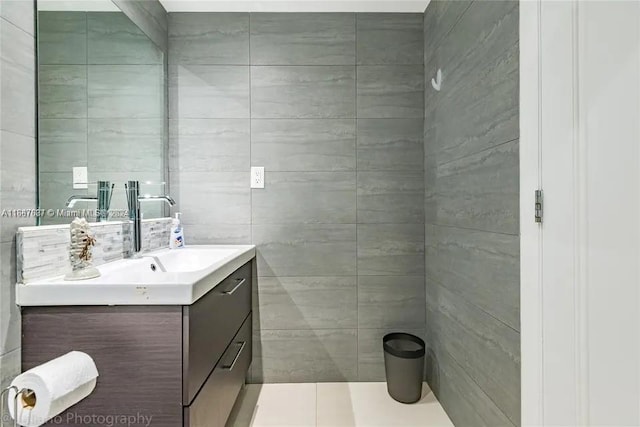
x=103, y=200
x=134, y=198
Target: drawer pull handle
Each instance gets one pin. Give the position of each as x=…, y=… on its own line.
x=235, y=288
x=235, y=359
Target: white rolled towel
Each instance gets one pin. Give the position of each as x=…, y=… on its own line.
x=56, y=385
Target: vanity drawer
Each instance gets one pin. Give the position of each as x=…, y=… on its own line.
x=214, y=402
x=209, y=326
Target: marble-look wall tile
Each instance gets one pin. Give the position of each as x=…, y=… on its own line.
x=304, y=356
x=301, y=89
x=17, y=181
x=303, y=39
x=125, y=91
x=62, y=144
x=20, y=13
x=391, y=302
x=391, y=197
x=496, y=367
x=486, y=114
x=303, y=92
x=209, y=91
x=62, y=91
x=217, y=234
x=301, y=303
x=9, y=311
x=371, y=354
x=482, y=88
x=391, y=249
x=390, y=91
x=483, y=34
x=305, y=197
x=471, y=177
x=62, y=38
x=125, y=145
x=17, y=143
x=17, y=88
x=389, y=38
x=55, y=188
x=390, y=144
x=439, y=20
x=482, y=267
x=305, y=250
x=18, y=172
x=479, y=191
x=114, y=39
x=304, y=144
x=214, y=197
x=15, y=200
x=9, y=369
x=209, y=38
x=465, y=401
x=200, y=145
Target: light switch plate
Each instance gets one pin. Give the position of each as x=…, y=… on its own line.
x=80, y=178
x=257, y=177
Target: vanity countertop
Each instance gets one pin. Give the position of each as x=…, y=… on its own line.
x=190, y=273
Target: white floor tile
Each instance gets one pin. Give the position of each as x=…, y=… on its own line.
x=275, y=405
x=369, y=405
x=333, y=405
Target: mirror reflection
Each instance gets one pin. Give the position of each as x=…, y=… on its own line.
x=101, y=108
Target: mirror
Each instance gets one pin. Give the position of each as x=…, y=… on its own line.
x=102, y=113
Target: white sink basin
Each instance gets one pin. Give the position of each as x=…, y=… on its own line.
x=164, y=277
x=193, y=258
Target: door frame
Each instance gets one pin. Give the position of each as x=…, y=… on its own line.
x=531, y=315
x=554, y=301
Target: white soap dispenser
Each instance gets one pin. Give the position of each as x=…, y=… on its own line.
x=177, y=237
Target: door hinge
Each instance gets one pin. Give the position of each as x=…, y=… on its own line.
x=539, y=205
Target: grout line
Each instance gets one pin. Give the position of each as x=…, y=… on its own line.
x=316, y=404
x=466, y=300
x=477, y=384
x=250, y=140
x=22, y=134
x=469, y=229
x=356, y=196
x=475, y=153
x=36, y=108
x=2, y=18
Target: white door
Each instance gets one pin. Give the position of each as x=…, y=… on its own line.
x=580, y=143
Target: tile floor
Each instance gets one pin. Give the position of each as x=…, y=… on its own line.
x=334, y=405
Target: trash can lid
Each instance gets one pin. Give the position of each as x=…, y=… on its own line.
x=403, y=345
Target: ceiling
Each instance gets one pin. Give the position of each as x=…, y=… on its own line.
x=78, y=5
x=295, y=5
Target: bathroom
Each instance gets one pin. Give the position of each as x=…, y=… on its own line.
x=225, y=209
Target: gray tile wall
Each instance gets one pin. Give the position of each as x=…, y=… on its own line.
x=17, y=162
x=332, y=106
x=471, y=210
x=101, y=105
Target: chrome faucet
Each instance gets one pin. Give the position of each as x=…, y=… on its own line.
x=168, y=199
x=133, y=201
x=103, y=200
x=71, y=201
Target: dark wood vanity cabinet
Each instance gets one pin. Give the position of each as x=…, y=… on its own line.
x=159, y=366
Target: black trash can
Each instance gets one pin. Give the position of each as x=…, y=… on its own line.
x=404, y=366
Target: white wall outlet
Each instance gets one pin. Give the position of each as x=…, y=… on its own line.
x=257, y=176
x=80, y=178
